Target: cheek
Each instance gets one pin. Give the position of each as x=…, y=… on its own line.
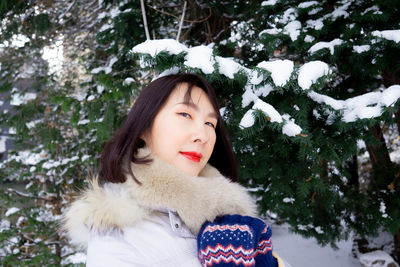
x=211, y=143
x=166, y=134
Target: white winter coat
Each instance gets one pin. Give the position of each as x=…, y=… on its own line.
x=153, y=224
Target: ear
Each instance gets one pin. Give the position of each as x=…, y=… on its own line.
x=145, y=137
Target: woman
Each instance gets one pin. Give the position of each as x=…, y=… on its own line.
x=165, y=180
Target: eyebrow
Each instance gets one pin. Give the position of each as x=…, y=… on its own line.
x=196, y=107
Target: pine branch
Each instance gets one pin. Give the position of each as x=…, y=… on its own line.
x=15, y=192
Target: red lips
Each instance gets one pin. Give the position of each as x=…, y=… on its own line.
x=191, y=155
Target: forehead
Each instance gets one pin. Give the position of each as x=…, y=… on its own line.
x=182, y=94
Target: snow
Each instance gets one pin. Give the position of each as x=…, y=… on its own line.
x=105, y=27
x=80, y=96
x=27, y=71
x=315, y=11
x=340, y=12
x=76, y=258
x=321, y=45
x=392, y=35
x=301, y=252
x=290, y=128
x=309, y=39
x=382, y=209
x=55, y=163
x=310, y=72
x=128, y=81
x=54, y=55
x=360, y=107
x=32, y=124
x=227, y=66
x=4, y=225
x=364, y=106
x=361, y=48
x=107, y=69
x=17, y=40
x=377, y=258
x=173, y=70
x=289, y=15
x=281, y=70
x=154, y=47
x=3, y=141
x=308, y=4
x=390, y=95
x=269, y=3
x=18, y=99
x=85, y=157
x=82, y=122
x=361, y=144
x=200, y=57
x=267, y=109
x=288, y=200
x=362, y=113
x=264, y=90
x=373, y=8
x=11, y=211
x=247, y=120
x=28, y=157
x=256, y=78
x=12, y=130
x=315, y=24
x=335, y=104
x=100, y=88
x=293, y=29
x=270, y=31
x=248, y=96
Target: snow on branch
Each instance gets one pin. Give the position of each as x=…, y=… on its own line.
x=392, y=35
x=281, y=72
x=321, y=45
x=366, y=106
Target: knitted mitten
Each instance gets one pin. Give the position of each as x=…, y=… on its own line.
x=235, y=240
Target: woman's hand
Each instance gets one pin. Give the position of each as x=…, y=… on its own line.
x=235, y=240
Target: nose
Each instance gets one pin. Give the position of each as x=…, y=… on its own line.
x=200, y=134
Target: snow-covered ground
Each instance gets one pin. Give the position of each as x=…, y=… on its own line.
x=301, y=252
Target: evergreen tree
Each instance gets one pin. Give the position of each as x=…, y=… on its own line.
x=360, y=39
x=61, y=117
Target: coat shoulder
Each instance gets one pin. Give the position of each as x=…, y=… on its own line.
x=110, y=206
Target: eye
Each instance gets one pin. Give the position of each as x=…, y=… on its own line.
x=210, y=124
x=184, y=114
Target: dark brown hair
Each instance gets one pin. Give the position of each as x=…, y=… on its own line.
x=124, y=144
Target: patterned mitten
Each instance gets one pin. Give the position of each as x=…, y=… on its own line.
x=235, y=240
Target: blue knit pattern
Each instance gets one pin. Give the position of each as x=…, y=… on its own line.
x=235, y=240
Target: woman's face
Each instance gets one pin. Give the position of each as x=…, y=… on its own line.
x=183, y=134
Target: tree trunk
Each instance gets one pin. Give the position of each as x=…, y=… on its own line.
x=396, y=252
x=397, y=115
x=378, y=153
x=352, y=167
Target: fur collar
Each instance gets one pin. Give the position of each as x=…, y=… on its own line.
x=195, y=199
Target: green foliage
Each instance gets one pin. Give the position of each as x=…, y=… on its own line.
x=40, y=23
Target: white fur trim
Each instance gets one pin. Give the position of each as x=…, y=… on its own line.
x=195, y=199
